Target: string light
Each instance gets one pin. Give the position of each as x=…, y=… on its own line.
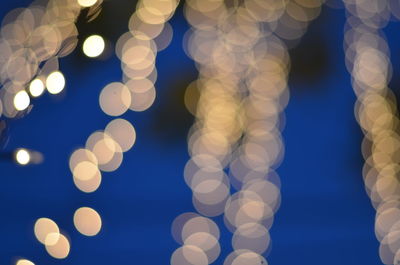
x=368, y=61
x=104, y=149
x=32, y=39
x=235, y=143
x=243, y=69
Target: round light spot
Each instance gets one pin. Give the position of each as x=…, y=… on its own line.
x=93, y=46
x=55, y=82
x=89, y=185
x=22, y=157
x=46, y=231
x=115, y=99
x=87, y=221
x=122, y=132
x=36, y=88
x=21, y=100
x=60, y=250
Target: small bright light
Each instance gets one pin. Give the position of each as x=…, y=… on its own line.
x=36, y=88
x=55, y=82
x=93, y=46
x=87, y=3
x=21, y=100
x=23, y=157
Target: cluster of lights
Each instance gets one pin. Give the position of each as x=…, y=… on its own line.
x=368, y=61
x=32, y=39
x=103, y=151
x=241, y=91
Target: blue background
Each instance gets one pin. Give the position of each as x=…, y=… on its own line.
x=325, y=217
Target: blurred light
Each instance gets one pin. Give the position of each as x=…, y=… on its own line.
x=87, y=3
x=122, y=132
x=22, y=157
x=46, y=231
x=55, y=82
x=189, y=254
x=36, y=88
x=21, y=100
x=59, y=250
x=87, y=221
x=115, y=99
x=24, y=262
x=93, y=46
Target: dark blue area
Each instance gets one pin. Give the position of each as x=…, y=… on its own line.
x=325, y=216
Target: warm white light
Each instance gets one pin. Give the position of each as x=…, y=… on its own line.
x=24, y=262
x=22, y=157
x=36, y=88
x=55, y=82
x=93, y=46
x=21, y=100
x=87, y=3
x=87, y=221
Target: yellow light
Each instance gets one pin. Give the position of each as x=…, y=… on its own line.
x=93, y=46
x=21, y=100
x=36, y=88
x=87, y=221
x=87, y=3
x=24, y=262
x=55, y=82
x=23, y=157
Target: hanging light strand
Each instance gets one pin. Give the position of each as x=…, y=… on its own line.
x=368, y=61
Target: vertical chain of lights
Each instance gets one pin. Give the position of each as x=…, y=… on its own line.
x=235, y=142
x=149, y=32
x=368, y=61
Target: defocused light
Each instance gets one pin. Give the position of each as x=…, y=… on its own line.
x=87, y=3
x=189, y=254
x=115, y=99
x=59, y=250
x=36, y=88
x=24, y=262
x=87, y=221
x=55, y=82
x=22, y=157
x=122, y=132
x=46, y=231
x=93, y=46
x=21, y=100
